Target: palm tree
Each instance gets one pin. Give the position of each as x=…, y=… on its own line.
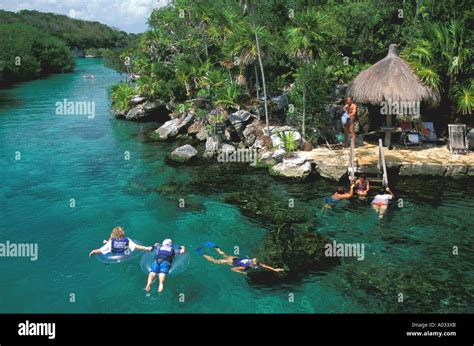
x=441, y=61
x=305, y=38
x=248, y=6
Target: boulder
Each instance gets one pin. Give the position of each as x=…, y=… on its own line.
x=183, y=153
x=279, y=154
x=137, y=99
x=202, y=135
x=249, y=134
x=172, y=127
x=211, y=147
x=295, y=167
x=135, y=113
x=280, y=102
x=237, y=119
x=331, y=171
x=150, y=107
x=227, y=148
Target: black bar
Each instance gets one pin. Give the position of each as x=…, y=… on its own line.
x=149, y=329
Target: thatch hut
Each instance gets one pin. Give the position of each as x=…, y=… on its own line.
x=392, y=82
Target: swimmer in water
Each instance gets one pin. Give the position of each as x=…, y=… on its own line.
x=239, y=264
x=118, y=243
x=164, y=255
x=362, y=186
x=339, y=195
x=380, y=201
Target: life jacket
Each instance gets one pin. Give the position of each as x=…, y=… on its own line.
x=242, y=262
x=119, y=245
x=163, y=253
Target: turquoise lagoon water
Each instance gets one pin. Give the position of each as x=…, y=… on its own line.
x=66, y=157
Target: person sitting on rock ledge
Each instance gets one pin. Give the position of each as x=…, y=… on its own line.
x=239, y=264
x=339, y=195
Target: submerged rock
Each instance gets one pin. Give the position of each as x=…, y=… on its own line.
x=183, y=153
x=299, y=252
x=267, y=208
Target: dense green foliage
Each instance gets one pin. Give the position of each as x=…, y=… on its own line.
x=121, y=95
x=27, y=54
x=76, y=33
x=205, y=52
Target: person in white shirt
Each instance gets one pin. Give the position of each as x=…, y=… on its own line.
x=380, y=201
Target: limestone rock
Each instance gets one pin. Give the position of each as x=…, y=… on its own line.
x=183, y=153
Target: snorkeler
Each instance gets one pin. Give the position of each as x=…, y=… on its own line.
x=164, y=254
x=362, y=186
x=239, y=264
x=339, y=195
x=118, y=243
x=380, y=201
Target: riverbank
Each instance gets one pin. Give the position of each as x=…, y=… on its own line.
x=243, y=132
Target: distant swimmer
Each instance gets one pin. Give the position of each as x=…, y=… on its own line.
x=164, y=255
x=118, y=244
x=339, y=195
x=239, y=264
x=362, y=186
x=380, y=201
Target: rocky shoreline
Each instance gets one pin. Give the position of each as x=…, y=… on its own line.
x=242, y=132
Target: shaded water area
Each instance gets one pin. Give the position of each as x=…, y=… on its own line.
x=72, y=156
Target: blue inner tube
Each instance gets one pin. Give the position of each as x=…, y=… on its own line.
x=179, y=264
x=120, y=257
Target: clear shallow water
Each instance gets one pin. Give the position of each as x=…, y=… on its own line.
x=71, y=156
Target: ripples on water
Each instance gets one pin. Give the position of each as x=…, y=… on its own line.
x=64, y=157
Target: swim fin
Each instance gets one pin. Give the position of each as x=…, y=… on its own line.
x=210, y=244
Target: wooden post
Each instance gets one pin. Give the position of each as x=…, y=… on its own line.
x=384, y=167
x=388, y=134
x=351, y=159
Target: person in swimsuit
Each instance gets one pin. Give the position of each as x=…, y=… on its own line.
x=349, y=127
x=380, y=201
x=239, y=264
x=362, y=186
x=339, y=195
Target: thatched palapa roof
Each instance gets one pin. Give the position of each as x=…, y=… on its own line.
x=391, y=79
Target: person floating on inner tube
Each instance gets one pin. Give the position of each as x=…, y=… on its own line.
x=380, y=201
x=118, y=243
x=164, y=254
x=362, y=186
x=239, y=264
x=339, y=195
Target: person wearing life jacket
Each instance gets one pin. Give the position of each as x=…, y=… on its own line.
x=380, y=201
x=339, y=195
x=164, y=254
x=118, y=243
x=362, y=186
x=239, y=264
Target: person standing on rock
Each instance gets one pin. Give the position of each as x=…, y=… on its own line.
x=349, y=127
